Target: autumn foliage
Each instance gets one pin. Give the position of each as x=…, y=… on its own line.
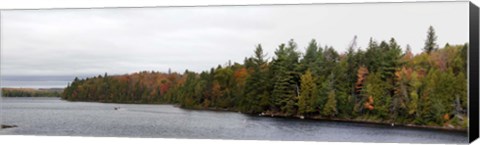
x=380, y=83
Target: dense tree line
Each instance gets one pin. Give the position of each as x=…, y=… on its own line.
x=381, y=83
x=29, y=92
x=142, y=87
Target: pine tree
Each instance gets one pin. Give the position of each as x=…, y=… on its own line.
x=380, y=84
x=286, y=78
x=313, y=60
x=310, y=58
x=373, y=56
x=343, y=86
x=430, y=43
x=352, y=65
x=256, y=85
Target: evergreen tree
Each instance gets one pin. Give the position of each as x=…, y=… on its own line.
x=286, y=87
x=308, y=92
x=310, y=58
x=430, y=43
x=343, y=88
x=330, y=108
x=256, y=85
x=379, y=84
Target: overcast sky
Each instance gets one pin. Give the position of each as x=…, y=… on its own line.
x=119, y=41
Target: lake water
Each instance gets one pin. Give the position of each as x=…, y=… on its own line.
x=55, y=117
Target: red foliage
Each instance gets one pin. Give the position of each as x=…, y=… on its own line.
x=164, y=88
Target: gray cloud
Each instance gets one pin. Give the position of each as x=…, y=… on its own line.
x=125, y=40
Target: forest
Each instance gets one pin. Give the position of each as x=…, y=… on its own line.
x=30, y=92
x=380, y=83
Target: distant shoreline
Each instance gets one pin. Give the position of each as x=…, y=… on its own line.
x=32, y=92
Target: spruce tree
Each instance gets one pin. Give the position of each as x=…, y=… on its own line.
x=430, y=43
x=286, y=78
x=344, y=87
x=256, y=85
x=310, y=58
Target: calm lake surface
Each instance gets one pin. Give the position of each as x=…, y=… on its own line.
x=52, y=116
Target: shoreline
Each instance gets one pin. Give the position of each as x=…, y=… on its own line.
x=296, y=117
x=382, y=123
x=318, y=118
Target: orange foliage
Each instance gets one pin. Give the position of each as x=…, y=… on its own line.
x=240, y=75
x=402, y=75
x=369, y=104
x=361, y=75
x=370, y=107
x=446, y=117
